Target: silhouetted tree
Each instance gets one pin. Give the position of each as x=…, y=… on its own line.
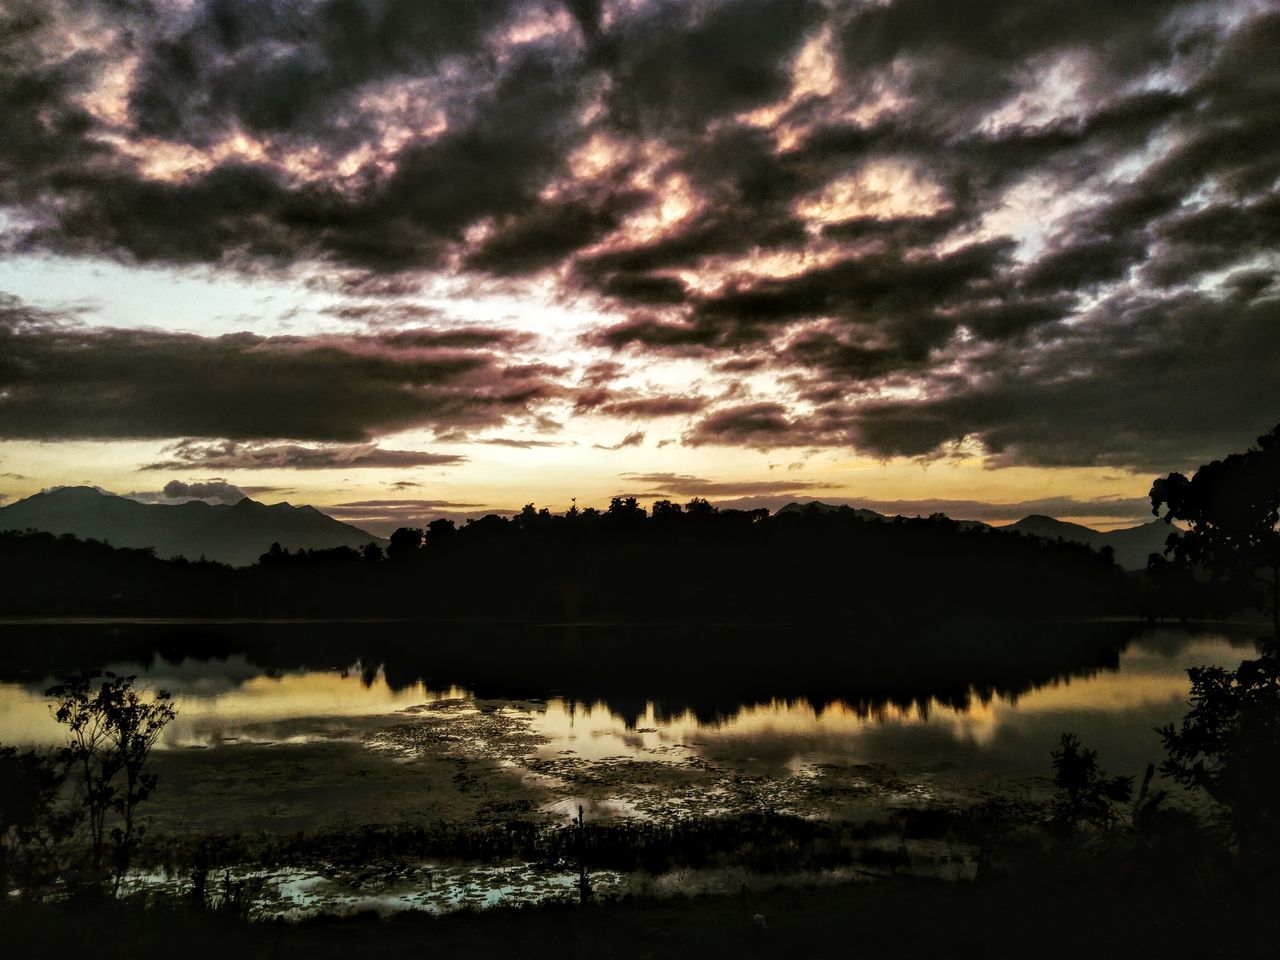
x=405, y=544
x=625, y=510
x=1085, y=793
x=29, y=785
x=111, y=730
x=665, y=510
x=811, y=564
x=440, y=532
x=698, y=507
x=1232, y=511
x=1229, y=746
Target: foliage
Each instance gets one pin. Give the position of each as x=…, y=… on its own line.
x=111, y=730
x=1232, y=511
x=29, y=785
x=1085, y=793
x=690, y=563
x=1229, y=746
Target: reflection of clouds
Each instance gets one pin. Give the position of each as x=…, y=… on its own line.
x=265, y=700
x=219, y=700
x=230, y=701
x=25, y=717
x=788, y=729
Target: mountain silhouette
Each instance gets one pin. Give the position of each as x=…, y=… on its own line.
x=817, y=506
x=1131, y=545
x=235, y=533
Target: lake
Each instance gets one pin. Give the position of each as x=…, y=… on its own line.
x=318, y=727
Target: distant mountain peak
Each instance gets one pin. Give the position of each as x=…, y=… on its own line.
x=235, y=533
x=67, y=493
x=819, y=507
x=1130, y=545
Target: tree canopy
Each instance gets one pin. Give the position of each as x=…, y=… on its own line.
x=1231, y=508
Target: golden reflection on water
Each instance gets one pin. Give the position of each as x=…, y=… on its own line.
x=214, y=706
x=1144, y=679
x=208, y=711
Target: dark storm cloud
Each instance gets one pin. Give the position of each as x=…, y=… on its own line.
x=216, y=490
x=420, y=505
x=1068, y=185
x=672, y=484
x=388, y=314
x=382, y=517
x=43, y=128
x=366, y=284
x=546, y=233
x=1119, y=388
x=644, y=408
x=213, y=490
x=907, y=306
x=508, y=145
x=62, y=380
x=678, y=65
x=518, y=443
x=236, y=455
x=633, y=439
x=753, y=424
x=1154, y=383
x=287, y=66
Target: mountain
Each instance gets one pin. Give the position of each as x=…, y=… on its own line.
x=1131, y=546
x=230, y=533
x=817, y=506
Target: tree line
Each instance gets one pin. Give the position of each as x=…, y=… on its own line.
x=675, y=562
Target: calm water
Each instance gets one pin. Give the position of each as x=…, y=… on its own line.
x=288, y=729
x=260, y=692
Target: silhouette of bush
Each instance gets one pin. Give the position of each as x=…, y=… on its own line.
x=1085, y=794
x=1228, y=745
x=29, y=824
x=111, y=730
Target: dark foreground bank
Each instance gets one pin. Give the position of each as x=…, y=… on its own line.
x=1120, y=914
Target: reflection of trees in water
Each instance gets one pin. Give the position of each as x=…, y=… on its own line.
x=711, y=672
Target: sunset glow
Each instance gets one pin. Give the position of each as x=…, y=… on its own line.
x=464, y=257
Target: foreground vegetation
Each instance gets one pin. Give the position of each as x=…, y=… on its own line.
x=1104, y=865
x=1050, y=914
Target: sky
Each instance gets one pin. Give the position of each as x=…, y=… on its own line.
x=402, y=259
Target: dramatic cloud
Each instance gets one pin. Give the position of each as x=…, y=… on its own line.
x=1043, y=233
x=382, y=517
x=670, y=484
x=61, y=379
x=214, y=491
x=633, y=439
x=233, y=455
x=646, y=408
x=518, y=443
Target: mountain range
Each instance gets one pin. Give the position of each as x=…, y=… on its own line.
x=1131, y=545
x=234, y=533
x=238, y=533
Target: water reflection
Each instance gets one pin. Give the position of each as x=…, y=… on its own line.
x=987, y=702
x=228, y=700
